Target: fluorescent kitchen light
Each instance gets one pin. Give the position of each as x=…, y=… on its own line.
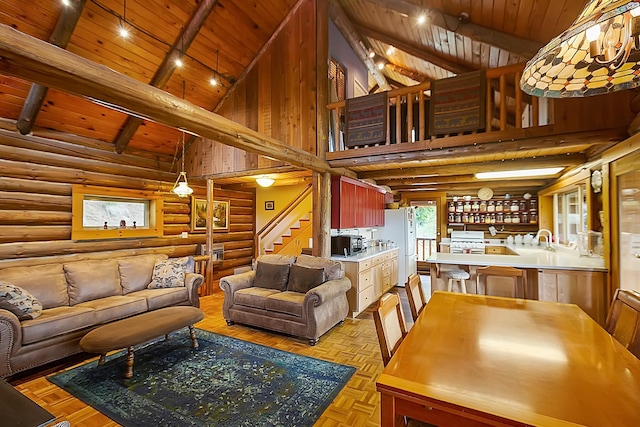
x=522, y=173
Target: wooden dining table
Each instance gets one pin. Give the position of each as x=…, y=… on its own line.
x=473, y=360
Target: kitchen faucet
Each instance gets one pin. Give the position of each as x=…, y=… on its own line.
x=548, y=237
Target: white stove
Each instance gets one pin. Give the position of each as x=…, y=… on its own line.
x=467, y=242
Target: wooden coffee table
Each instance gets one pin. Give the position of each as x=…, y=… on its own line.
x=126, y=333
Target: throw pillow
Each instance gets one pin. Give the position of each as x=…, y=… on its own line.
x=271, y=276
x=302, y=279
x=169, y=273
x=21, y=299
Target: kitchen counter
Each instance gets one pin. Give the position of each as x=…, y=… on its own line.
x=364, y=255
x=527, y=257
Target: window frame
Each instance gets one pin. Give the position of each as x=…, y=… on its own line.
x=80, y=192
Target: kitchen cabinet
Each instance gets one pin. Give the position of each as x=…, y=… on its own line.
x=370, y=278
x=583, y=288
x=355, y=204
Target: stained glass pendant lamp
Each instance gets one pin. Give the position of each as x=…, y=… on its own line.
x=598, y=54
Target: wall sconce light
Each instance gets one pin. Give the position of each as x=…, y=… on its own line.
x=264, y=181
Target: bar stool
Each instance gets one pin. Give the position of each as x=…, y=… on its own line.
x=458, y=276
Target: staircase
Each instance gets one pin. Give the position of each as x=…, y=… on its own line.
x=292, y=241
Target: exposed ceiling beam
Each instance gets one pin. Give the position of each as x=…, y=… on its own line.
x=252, y=172
x=517, y=45
x=502, y=184
x=459, y=168
x=419, y=52
x=31, y=59
x=65, y=25
x=412, y=74
x=167, y=67
x=473, y=145
x=344, y=24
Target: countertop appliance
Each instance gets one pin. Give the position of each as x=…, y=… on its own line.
x=400, y=228
x=346, y=244
x=467, y=242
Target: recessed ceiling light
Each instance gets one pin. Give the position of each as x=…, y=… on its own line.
x=179, y=62
x=422, y=19
x=522, y=173
x=66, y=3
x=380, y=65
x=391, y=50
x=213, y=81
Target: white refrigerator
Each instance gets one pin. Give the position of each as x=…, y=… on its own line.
x=400, y=228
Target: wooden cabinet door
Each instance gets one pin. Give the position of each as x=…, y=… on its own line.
x=361, y=206
x=347, y=205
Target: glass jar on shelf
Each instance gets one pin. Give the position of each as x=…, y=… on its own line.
x=499, y=206
x=515, y=218
x=499, y=217
x=452, y=206
x=533, y=217
x=467, y=207
x=452, y=217
x=523, y=205
x=476, y=218
x=514, y=206
x=458, y=217
x=475, y=206
x=483, y=206
x=524, y=218
x=507, y=218
x=465, y=218
x=492, y=220
x=533, y=204
x=459, y=207
x=491, y=206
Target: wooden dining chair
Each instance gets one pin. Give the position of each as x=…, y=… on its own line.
x=623, y=320
x=390, y=325
x=415, y=295
x=505, y=281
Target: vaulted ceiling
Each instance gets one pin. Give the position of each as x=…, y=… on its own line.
x=221, y=38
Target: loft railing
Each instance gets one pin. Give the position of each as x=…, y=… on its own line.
x=425, y=247
x=507, y=107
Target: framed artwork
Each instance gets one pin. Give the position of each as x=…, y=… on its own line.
x=199, y=215
x=269, y=205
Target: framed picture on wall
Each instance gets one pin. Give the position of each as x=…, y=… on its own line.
x=269, y=205
x=220, y=215
x=199, y=215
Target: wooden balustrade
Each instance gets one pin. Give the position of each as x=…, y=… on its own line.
x=507, y=107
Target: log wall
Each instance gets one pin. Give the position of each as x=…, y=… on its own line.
x=276, y=97
x=35, y=205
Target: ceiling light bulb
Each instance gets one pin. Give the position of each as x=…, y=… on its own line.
x=179, y=62
x=213, y=81
x=265, y=181
x=371, y=54
x=66, y=3
x=593, y=33
x=422, y=19
x=391, y=50
x=123, y=31
x=380, y=65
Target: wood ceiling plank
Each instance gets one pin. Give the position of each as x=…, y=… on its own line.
x=498, y=14
x=30, y=17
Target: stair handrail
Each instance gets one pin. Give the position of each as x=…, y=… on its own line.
x=275, y=221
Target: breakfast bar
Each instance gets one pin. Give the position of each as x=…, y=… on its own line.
x=558, y=275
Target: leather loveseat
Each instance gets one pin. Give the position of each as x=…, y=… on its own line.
x=304, y=296
x=77, y=297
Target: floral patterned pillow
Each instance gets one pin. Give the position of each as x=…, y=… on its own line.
x=169, y=273
x=21, y=299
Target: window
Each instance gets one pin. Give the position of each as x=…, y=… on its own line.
x=111, y=213
x=571, y=214
x=337, y=79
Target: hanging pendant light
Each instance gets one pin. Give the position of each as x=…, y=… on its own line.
x=181, y=186
x=598, y=54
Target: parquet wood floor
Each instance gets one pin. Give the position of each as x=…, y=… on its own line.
x=354, y=343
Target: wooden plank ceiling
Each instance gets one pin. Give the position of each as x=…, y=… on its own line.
x=457, y=36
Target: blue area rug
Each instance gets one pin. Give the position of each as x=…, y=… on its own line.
x=224, y=382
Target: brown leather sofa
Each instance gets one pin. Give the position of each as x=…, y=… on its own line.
x=77, y=297
x=308, y=315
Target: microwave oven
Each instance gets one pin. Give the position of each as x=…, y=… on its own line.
x=346, y=245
